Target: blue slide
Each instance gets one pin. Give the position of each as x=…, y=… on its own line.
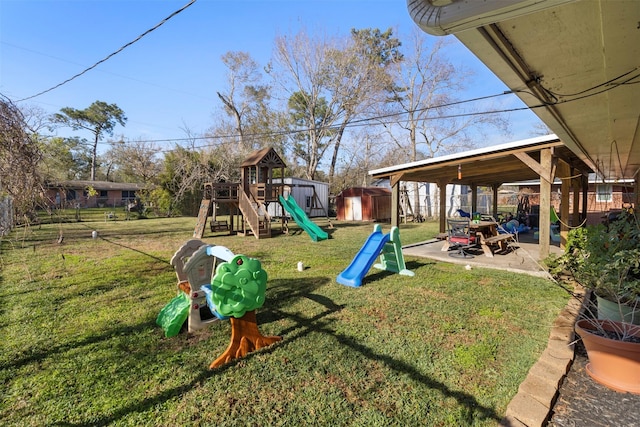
x=364, y=259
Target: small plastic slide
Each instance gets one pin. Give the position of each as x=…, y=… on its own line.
x=174, y=314
x=301, y=218
x=364, y=259
x=391, y=257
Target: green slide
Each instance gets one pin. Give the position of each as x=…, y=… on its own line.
x=301, y=218
x=173, y=315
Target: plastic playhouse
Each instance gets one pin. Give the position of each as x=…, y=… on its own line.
x=214, y=284
x=237, y=291
x=389, y=248
x=194, y=263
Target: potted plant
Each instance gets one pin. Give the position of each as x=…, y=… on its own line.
x=605, y=259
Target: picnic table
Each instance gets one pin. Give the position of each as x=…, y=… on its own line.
x=488, y=236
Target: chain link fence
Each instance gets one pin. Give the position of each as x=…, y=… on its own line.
x=6, y=215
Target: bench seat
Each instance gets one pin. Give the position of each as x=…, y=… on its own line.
x=222, y=225
x=500, y=240
x=497, y=239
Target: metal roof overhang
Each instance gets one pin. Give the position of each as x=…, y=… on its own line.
x=491, y=166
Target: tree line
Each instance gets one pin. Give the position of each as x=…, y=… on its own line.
x=333, y=107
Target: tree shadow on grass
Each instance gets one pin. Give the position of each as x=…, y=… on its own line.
x=36, y=355
x=284, y=293
x=164, y=261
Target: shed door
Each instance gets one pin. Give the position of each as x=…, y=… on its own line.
x=353, y=208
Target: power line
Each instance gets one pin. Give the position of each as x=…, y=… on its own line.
x=111, y=54
x=355, y=123
x=134, y=79
x=367, y=121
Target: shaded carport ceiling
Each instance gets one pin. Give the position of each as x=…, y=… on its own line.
x=489, y=166
x=575, y=63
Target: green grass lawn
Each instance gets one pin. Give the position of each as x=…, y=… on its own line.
x=79, y=343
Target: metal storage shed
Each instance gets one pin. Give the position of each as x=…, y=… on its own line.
x=311, y=196
x=364, y=204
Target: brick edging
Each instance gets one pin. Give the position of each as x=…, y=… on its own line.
x=532, y=405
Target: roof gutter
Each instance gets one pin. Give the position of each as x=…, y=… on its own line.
x=443, y=17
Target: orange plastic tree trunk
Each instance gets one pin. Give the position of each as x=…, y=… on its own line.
x=245, y=338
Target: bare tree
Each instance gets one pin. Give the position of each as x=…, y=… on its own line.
x=433, y=122
x=359, y=154
x=186, y=169
x=246, y=102
x=19, y=157
x=359, y=78
x=328, y=83
x=136, y=160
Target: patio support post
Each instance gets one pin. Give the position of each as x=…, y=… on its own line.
x=546, y=177
x=585, y=196
x=636, y=190
x=564, y=172
x=442, y=187
x=494, y=208
x=575, y=188
x=474, y=198
x=395, y=204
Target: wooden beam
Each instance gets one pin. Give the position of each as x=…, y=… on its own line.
x=564, y=172
x=474, y=198
x=636, y=202
x=545, y=172
x=575, y=188
x=494, y=207
x=585, y=196
x=395, y=204
x=544, y=232
x=395, y=179
x=442, y=186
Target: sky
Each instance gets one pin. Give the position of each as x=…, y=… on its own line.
x=167, y=81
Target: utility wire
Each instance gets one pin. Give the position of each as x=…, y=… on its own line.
x=112, y=54
x=611, y=82
x=366, y=121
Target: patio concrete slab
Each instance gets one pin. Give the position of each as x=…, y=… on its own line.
x=522, y=257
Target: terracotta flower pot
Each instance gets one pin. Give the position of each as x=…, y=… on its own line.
x=612, y=363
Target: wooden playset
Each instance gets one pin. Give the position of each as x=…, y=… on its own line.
x=247, y=201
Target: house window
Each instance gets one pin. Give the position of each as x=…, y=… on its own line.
x=604, y=193
x=126, y=194
x=103, y=193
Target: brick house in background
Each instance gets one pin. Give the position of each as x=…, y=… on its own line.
x=603, y=196
x=71, y=194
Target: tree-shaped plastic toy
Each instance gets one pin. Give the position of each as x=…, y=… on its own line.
x=238, y=289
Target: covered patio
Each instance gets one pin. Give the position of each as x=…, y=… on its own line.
x=544, y=158
x=523, y=258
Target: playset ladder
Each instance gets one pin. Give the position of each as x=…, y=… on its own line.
x=391, y=257
x=405, y=204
